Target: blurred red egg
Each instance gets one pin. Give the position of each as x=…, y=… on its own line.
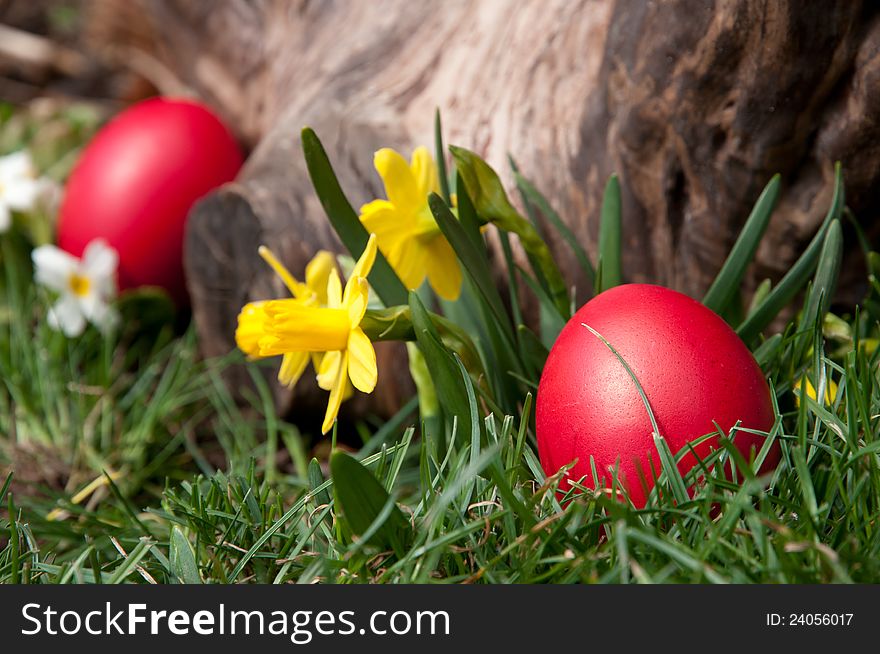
x=693, y=368
x=136, y=181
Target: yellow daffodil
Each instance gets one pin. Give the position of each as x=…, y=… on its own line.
x=830, y=390
x=294, y=328
x=407, y=233
x=311, y=293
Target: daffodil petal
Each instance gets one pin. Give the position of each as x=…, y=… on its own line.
x=400, y=184
x=444, y=271
x=357, y=294
x=830, y=391
x=334, y=290
x=292, y=367
x=368, y=257
x=425, y=172
x=336, y=395
x=318, y=274
x=407, y=258
x=329, y=369
x=361, y=361
x=383, y=219
x=296, y=289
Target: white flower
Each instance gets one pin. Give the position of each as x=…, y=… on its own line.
x=19, y=187
x=87, y=285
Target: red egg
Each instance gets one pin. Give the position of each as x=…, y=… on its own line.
x=692, y=366
x=136, y=181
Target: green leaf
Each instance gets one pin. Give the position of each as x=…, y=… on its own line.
x=364, y=502
x=800, y=272
x=474, y=262
x=730, y=277
x=183, y=558
x=827, y=273
x=6, y=485
x=316, y=483
x=610, y=273
x=440, y=155
x=533, y=350
x=443, y=367
x=766, y=352
x=346, y=221
x=760, y=295
x=537, y=199
x=822, y=290
x=490, y=200
x=550, y=321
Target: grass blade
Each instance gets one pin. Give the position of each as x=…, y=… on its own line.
x=795, y=279
x=729, y=278
x=610, y=273
x=822, y=290
x=538, y=200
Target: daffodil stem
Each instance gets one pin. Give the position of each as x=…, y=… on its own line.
x=395, y=324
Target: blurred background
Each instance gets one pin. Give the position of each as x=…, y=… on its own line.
x=63, y=50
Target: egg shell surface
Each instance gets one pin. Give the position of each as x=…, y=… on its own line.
x=136, y=181
x=692, y=366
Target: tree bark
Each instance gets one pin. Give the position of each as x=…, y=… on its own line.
x=694, y=104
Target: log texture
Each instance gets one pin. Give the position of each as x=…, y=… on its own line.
x=694, y=104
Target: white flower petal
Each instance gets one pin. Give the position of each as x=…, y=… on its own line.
x=99, y=263
x=5, y=218
x=53, y=267
x=67, y=316
x=98, y=312
x=107, y=319
x=16, y=166
x=21, y=194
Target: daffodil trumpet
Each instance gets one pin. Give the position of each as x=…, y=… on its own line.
x=312, y=292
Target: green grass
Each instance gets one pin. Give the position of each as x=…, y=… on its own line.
x=482, y=512
x=185, y=485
